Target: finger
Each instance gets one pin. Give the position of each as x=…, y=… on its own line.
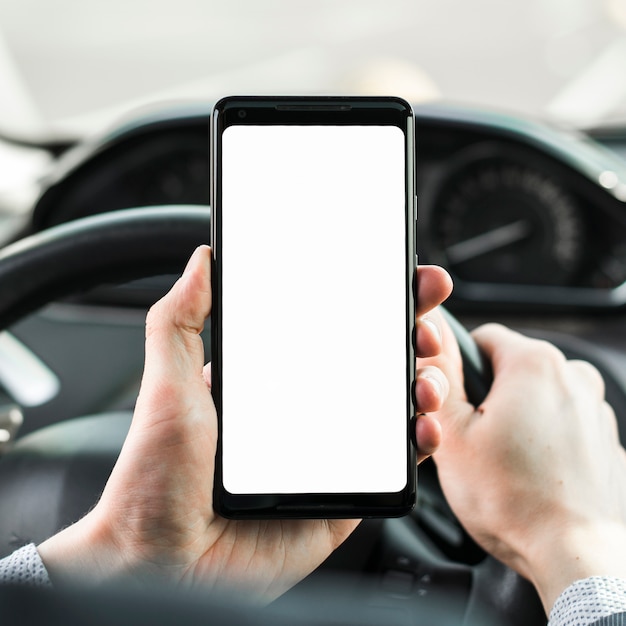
x=503, y=346
x=174, y=349
x=613, y=424
x=174, y=410
x=206, y=372
x=176, y=320
x=427, y=435
x=434, y=285
x=428, y=335
x=587, y=375
x=447, y=359
x=431, y=389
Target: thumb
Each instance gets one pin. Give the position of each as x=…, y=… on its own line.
x=174, y=357
x=174, y=430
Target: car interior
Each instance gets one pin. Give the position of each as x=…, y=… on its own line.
x=526, y=212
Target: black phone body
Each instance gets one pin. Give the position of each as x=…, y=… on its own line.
x=313, y=223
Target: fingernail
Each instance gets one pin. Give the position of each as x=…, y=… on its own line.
x=190, y=262
x=433, y=326
x=436, y=383
x=192, y=259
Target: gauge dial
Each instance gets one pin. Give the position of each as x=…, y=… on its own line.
x=505, y=222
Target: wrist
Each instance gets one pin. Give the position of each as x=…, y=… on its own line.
x=84, y=551
x=572, y=553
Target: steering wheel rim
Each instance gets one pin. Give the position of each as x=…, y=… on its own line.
x=136, y=243
x=111, y=247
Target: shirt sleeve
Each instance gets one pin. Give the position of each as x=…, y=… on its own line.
x=618, y=619
x=24, y=567
x=588, y=601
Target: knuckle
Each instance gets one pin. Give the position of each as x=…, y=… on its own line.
x=589, y=374
x=156, y=318
x=542, y=355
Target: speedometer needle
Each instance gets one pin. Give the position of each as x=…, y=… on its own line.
x=488, y=242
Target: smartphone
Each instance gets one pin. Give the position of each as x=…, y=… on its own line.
x=313, y=202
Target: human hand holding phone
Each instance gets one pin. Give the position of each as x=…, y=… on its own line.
x=156, y=519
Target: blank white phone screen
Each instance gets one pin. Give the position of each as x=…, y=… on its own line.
x=314, y=395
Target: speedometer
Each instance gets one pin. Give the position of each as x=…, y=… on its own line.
x=499, y=220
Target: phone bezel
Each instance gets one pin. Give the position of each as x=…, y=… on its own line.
x=324, y=110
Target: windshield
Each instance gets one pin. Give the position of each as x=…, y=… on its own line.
x=72, y=65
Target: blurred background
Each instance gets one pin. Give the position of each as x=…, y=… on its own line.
x=69, y=66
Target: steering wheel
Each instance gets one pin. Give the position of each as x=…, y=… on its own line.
x=414, y=563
